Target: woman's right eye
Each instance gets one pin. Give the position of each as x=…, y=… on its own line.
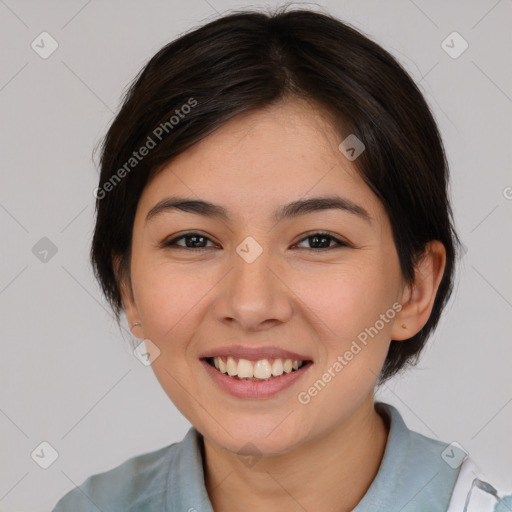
x=196, y=239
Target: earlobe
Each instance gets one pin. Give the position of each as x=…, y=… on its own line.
x=418, y=297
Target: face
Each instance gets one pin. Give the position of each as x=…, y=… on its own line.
x=255, y=286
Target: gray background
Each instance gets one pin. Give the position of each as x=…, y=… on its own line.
x=69, y=377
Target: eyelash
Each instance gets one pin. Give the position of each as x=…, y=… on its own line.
x=172, y=243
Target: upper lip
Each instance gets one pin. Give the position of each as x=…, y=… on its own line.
x=254, y=353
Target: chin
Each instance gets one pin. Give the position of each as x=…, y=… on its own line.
x=255, y=440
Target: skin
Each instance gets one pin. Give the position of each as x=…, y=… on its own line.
x=313, y=302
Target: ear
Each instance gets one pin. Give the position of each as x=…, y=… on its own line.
x=418, y=298
x=129, y=306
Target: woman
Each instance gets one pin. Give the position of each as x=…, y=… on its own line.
x=273, y=220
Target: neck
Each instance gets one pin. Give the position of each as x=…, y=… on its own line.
x=330, y=473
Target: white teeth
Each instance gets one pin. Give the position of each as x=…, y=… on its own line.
x=219, y=364
x=245, y=369
x=262, y=369
x=231, y=366
x=277, y=367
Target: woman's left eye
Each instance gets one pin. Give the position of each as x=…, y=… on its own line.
x=197, y=239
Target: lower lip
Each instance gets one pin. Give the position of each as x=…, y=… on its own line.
x=254, y=389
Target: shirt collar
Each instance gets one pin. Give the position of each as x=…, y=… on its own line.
x=412, y=476
x=186, y=489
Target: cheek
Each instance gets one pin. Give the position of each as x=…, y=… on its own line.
x=346, y=299
x=170, y=304
x=168, y=298
x=347, y=307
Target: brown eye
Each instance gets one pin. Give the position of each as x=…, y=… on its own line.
x=194, y=241
x=322, y=241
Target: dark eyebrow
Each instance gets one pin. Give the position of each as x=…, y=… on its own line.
x=293, y=209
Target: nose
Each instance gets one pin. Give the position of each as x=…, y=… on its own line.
x=254, y=295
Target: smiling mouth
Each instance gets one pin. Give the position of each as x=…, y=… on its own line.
x=256, y=371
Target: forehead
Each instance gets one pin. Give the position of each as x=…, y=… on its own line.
x=272, y=156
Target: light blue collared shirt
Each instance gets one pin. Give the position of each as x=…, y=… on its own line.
x=412, y=477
